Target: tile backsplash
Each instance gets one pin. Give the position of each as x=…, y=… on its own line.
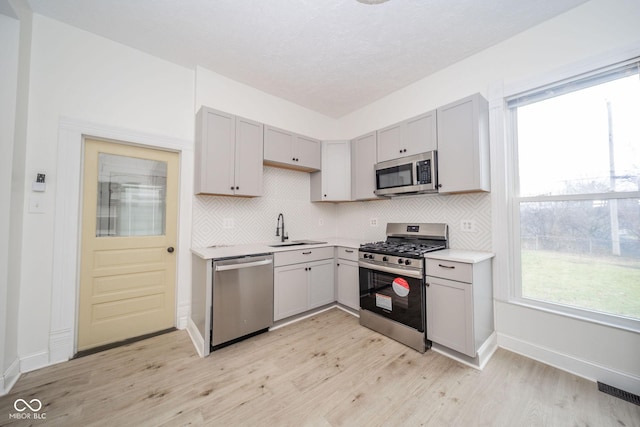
x=236, y=220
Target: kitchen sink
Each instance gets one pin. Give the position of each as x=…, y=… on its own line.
x=296, y=243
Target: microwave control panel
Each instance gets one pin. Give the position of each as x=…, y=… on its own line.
x=423, y=171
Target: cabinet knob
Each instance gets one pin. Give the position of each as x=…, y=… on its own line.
x=427, y=284
x=325, y=195
x=170, y=249
x=237, y=188
x=232, y=187
x=293, y=159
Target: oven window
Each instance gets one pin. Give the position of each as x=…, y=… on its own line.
x=397, y=176
x=395, y=297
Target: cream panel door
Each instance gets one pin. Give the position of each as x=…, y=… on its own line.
x=128, y=262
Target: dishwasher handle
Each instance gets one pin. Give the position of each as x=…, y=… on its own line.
x=240, y=265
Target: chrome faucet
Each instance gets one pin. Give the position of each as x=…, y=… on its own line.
x=281, y=221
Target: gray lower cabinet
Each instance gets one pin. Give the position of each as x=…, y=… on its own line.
x=347, y=278
x=459, y=304
x=303, y=280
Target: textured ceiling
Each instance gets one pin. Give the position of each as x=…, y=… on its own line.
x=331, y=56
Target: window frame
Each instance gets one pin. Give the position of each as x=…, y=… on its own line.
x=509, y=106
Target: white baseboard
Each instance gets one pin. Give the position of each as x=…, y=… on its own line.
x=34, y=361
x=582, y=368
x=9, y=377
x=60, y=346
x=183, y=316
x=197, y=340
x=486, y=350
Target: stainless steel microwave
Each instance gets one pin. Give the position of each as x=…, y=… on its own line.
x=413, y=174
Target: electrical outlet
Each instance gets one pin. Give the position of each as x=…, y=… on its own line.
x=373, y=222
x=228, y=223
x=468, y=225
x=321, y=222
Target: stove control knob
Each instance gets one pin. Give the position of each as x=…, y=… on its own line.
x=372, y=257
x=366, y=256
x=384, y=258
x=407, y=262
x=400, y=261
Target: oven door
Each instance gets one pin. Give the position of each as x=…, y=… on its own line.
x=394, y=295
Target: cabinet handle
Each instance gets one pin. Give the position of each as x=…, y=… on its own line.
x=349, y=251
x=306, y=253
x=447, y=266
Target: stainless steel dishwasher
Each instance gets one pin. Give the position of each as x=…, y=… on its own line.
x=242, y=298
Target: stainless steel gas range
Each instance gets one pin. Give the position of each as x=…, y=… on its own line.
x=392, y=286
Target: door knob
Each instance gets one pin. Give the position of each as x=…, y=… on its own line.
x=170, y=249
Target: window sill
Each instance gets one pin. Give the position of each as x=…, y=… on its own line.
x=608, y=320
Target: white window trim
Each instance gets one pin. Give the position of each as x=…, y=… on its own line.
x=506, y=206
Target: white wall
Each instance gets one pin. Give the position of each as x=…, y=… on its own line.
x=79, y=76
x=219, y=92
x=595, y=28
x=9, y=289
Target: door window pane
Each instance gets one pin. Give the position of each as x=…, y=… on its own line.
x=131, y=196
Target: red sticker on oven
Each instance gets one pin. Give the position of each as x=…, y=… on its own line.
x=401, y=287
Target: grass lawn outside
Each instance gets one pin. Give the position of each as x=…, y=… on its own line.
x=605, y=284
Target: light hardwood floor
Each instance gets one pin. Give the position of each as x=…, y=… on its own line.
x=326, y=370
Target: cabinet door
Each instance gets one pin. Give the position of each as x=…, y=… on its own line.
x=277, y=145
x=363, y=162
x=215, y=152
x=348, y=284
x=248, y=163
x=463, y=146
x=389, y=143
x=307, y=152
x=333, y=182
x=420, y=134
x=450, y=314
x=290, y=285
x=321, y=289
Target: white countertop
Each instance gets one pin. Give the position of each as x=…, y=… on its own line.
x=225, y=251
x=459, y=255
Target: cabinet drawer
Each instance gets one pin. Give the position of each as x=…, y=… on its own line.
x=348, y=253
x=302, y=255
x=451, y=270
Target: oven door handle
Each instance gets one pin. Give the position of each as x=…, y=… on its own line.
x=416, y=274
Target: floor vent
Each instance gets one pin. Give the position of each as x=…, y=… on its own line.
x=620, y=394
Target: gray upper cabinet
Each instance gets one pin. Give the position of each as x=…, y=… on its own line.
x=363, y=161
x=413, y=136
x=333, y=182
x=228, y=154
x=463, y=146
x=287, y=149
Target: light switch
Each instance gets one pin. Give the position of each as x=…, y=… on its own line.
x=36, y=204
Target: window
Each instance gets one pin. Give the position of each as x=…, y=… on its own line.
x=576, y=201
